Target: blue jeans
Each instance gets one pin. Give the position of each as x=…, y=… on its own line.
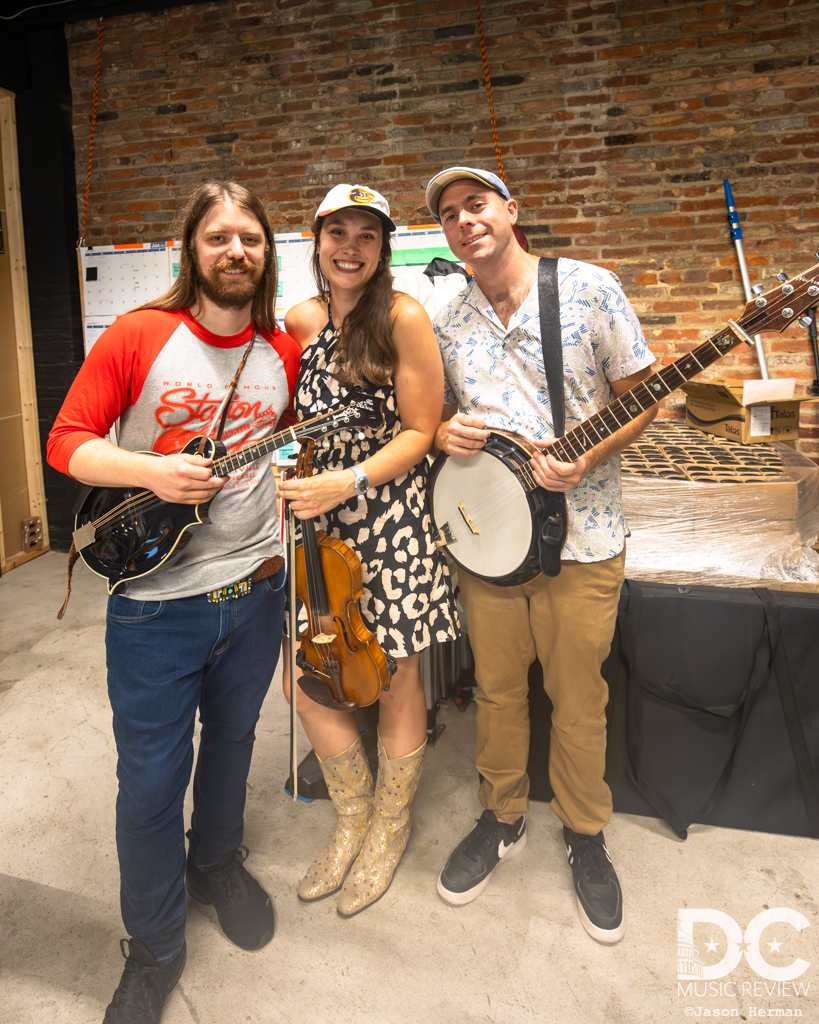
x=166, y=659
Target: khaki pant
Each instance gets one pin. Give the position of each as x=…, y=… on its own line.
x=568, y=624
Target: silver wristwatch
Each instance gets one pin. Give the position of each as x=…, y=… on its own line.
x=362, y=481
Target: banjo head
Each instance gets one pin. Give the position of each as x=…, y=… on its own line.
x=484, y=510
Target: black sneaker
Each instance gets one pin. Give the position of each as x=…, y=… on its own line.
x=144, y=985
x=243, y=907
x=599, y=898
x=473, y=860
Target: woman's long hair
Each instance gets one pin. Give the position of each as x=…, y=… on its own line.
x=365, y=349
x=184, y=292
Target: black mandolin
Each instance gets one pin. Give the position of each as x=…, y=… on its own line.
x=123, y=534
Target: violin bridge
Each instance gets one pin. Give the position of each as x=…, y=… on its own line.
x=324, y=638
x=444, y=536
x=85, y=536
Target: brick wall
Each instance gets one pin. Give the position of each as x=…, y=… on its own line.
x=617, y=125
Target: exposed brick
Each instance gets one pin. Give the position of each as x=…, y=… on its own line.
x=621, y=140
x=452, y=31
x=616, y=127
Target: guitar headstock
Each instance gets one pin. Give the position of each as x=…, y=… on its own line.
x=778, y=307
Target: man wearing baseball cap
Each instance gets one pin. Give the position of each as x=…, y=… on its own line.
x=490, y=339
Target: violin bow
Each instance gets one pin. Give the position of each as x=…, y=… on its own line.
x=290, y=520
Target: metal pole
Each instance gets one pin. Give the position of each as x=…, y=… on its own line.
x=736, y=235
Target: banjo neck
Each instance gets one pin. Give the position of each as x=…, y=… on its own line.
x=627, y=407
x=643, y=396
x=772, y=311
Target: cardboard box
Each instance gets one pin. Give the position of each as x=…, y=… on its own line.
x=715, y=407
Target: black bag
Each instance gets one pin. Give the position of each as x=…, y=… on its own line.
x=714, y=707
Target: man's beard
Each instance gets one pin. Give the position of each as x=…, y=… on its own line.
x=228, y=293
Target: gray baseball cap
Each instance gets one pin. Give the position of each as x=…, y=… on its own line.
x=443, y=178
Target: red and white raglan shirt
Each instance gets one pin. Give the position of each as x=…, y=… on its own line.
x=163, y=376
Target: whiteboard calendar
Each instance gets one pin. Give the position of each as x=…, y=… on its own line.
x=117, y=278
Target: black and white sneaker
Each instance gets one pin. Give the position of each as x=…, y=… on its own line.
x=599, y=898
x=473, y=860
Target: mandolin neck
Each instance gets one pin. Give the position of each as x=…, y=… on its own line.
x=253, y=452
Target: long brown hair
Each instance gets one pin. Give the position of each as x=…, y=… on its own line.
x=365, y=349
x=184, y=292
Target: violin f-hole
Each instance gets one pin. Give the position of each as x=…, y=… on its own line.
x=343, y=630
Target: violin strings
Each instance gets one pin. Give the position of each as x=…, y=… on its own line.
x=315, y=577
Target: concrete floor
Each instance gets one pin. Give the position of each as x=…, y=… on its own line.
x=516, y=955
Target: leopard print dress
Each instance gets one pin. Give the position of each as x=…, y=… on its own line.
x=407, y=600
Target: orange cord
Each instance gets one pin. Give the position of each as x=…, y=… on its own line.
x=93, y=130
x=489, y=91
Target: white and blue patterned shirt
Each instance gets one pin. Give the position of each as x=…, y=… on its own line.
x=496, y=372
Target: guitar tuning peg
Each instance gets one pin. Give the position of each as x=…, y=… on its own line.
x=325, y=443
x=360, y=435
x=782, y=276
x=758, y=289
x=805, y=321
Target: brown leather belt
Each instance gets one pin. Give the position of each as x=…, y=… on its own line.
x=268, y=568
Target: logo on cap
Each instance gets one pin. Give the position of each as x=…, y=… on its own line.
x=360, y=195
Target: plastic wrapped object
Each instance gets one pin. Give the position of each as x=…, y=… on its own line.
x=704, y=510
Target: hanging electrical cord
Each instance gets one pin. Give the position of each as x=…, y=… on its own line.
x=489, y=90
x=81, y=241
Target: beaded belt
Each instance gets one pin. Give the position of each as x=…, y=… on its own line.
x=268, y=568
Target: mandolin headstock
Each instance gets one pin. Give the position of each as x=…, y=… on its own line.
x=368, y=409
x=359, y=410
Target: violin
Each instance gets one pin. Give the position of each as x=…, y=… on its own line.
x=343, y=663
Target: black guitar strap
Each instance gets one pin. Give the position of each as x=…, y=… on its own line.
x=552, y=527
x=550, y=339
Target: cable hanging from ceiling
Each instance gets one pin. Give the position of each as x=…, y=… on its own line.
x=81, y=241
x=488, y=81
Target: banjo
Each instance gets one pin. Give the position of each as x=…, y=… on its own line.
x=498, y=524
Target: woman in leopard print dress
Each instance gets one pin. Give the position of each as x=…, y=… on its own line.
x=370, y=492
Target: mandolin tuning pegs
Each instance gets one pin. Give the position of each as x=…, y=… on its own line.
x=758, y=289
x=782, y=276
x=360, y=435
x=805, y=321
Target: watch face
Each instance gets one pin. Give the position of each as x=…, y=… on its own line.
x=362, y=484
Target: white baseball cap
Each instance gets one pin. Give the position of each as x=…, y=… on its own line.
x=443, y=178
x=357, y=197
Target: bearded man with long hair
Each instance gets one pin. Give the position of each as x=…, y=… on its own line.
x=204, y=633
